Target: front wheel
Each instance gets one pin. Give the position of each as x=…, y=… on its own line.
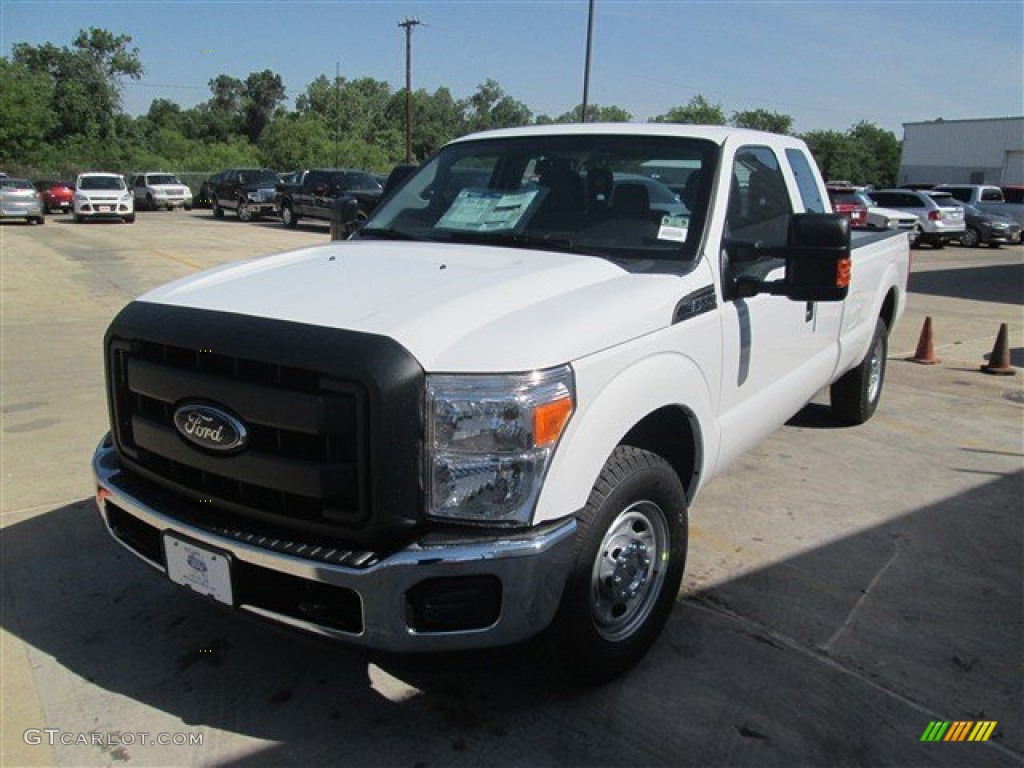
x=288, y=217
x=627, y=568
x=218, y=212
x=856, y=394
x=244, y=211
x=970, y=238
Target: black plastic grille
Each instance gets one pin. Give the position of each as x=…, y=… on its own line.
x=334, y=420
x=305, y=459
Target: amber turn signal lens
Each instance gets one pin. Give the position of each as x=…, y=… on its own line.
x=844, y=268
x=550, y=419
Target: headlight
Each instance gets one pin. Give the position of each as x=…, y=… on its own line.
x=490, y=440
x=125, y=197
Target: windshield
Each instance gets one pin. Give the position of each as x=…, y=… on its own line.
x=101, y=182
x=259, y=177
x=162, y=178
x=581, y=193
x=15, y=184
x=356, y=180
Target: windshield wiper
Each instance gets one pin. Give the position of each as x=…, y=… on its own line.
x=554, y=242
x=386, y=233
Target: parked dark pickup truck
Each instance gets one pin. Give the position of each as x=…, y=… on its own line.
x=315, y=196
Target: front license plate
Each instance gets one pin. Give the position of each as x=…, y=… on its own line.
x=200, y=569
x=103, y=208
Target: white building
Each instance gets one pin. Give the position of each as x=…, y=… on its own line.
x=984, y=151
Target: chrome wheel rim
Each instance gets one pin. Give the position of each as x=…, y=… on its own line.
x=875, y=371
x=243, y=211
x=286, y=215
x=629, y=570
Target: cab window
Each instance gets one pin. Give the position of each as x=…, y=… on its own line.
x=759, y=205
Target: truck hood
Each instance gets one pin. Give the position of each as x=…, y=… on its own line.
x=454, y=307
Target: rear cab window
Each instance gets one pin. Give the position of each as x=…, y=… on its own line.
x=806, y=182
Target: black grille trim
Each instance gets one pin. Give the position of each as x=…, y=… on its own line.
x=335, y=419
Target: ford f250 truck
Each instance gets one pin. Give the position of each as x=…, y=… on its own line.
x=316, y=195
x=484, y=417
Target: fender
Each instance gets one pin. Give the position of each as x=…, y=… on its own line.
x=609, y=407
x=856, y=336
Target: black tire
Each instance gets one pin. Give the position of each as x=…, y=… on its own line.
x=187, y=207
x=633, y=529
x=79, y=219
x=970, y=238
x=243, y=210
x=938, y=244
x=150, y=203
x=129, y=219
x=856, y=394
x=288, y=217
x=218, y=212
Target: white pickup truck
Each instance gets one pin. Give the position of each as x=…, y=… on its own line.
x=484, y=417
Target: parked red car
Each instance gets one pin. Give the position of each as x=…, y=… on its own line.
x=845, y=201
x=57, y=195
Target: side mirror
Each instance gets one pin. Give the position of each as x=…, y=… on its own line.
x=344, y=216
x=397, y=176
x=817, y=256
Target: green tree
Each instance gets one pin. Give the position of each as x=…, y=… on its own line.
x=489, y=107
x=25, y=102
x=698, y=111
x=835, y=154
x=86, y=79
x=595, y=114
x=763, y=120
x=297, y=141
x=880, y=150
x=437, y=119
x=264, y=91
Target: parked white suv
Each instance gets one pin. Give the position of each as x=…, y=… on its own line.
x=161, y=190
x=940, y=222
x=103, y=196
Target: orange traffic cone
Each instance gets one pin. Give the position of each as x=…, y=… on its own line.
x=999, y=359
x=925, y=354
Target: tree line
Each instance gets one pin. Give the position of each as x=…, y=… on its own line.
x=63, y=114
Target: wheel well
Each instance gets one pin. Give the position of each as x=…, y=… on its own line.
x=672, y=433
x=889, y=309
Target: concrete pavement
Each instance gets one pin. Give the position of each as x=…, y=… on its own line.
x=844, y=588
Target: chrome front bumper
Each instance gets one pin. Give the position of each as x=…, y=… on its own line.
x=531, y=567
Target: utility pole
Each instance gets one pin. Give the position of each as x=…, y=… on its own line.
x=586, y=66
x=408, y=24
x=337, y=111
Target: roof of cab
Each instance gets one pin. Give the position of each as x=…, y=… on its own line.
x=715, y=133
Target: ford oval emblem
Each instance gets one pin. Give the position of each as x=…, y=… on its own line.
x=210, y=427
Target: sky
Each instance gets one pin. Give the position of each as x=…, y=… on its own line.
x=828, y=63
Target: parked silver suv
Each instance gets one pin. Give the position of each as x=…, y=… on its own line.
x=939, y=218
x=160, y=190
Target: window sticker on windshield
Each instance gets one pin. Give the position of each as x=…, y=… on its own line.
x=486, y=210
x=674, y=228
